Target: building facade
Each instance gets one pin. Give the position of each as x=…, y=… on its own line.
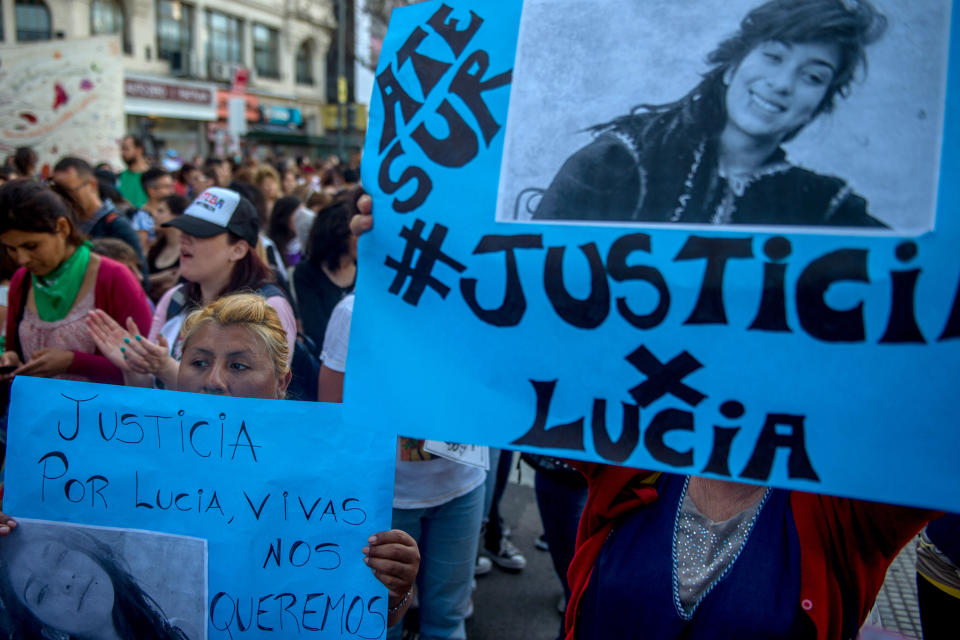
x=184, y=59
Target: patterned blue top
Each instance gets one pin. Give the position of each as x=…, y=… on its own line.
x=632, y=591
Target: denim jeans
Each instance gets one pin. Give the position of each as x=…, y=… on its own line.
x=501, y=462
x=447, y=535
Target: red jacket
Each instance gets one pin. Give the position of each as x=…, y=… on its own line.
x=116, y=291
x=846, y=545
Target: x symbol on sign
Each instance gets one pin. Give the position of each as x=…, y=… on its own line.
x=664, y=378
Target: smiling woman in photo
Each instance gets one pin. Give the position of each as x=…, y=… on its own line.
x=715, y=155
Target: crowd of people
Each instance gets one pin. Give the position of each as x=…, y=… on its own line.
x=237, y=278
x=120, y=278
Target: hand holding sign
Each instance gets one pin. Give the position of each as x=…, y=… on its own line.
x=734, y=358
x=7, y=524
x=128, y=350
x=727, y=350
x=281, y=517
x=394, y=558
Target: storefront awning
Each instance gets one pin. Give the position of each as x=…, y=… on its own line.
x=169, y=98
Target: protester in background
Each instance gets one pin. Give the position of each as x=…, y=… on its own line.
x=938, y=578
x=290, y=180
x=7, y=268
x=439, y=502
x=163, y=259
x=351, y=178
x=329, y=271
x=331, y=181
x=496, y=535
x=59, y=282
x=204, y=180
x=268, y=181
x=266, y=249
x=128, y=182
x=97, y=218
x=219, y=170
x=7, y=174
x=218, y=233
x=303, y=219
x=281, y=230
x=25, y=162
x=171, y=161
x=185, y=178
x=561, y=495
x=118, y=251
x=314, y=201
x=104, y=168
x=157, y=184
x=107, y=187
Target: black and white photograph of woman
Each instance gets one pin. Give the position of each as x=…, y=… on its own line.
x=819, y=113
x=66, y=582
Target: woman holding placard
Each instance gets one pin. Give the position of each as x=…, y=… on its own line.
x=667, y=556
x=237, y=346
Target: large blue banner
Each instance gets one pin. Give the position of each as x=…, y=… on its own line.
x=271, y=485
x=640, y=233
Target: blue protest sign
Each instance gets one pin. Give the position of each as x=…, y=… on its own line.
x=649, y=234
x=271, y=485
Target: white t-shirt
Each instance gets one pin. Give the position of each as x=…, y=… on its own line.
x=143, y=221
x=421, y=480
x=337, y=337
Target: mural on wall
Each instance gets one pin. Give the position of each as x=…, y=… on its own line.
x=63, y=98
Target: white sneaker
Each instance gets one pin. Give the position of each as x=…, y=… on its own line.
x=508, y=556
x=483, y=566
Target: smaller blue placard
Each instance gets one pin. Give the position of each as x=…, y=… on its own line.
x=272, y=485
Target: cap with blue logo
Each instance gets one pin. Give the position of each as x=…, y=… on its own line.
x=218, y=210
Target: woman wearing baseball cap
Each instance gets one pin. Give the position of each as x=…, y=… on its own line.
x=219, y=232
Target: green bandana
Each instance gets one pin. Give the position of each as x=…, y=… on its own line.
x=55, y=292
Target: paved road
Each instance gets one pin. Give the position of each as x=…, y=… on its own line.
x=518, y=605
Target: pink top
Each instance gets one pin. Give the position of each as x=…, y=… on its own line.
x=117, y=292
x=70, y=333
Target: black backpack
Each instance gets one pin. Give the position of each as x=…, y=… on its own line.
x=305, y=365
